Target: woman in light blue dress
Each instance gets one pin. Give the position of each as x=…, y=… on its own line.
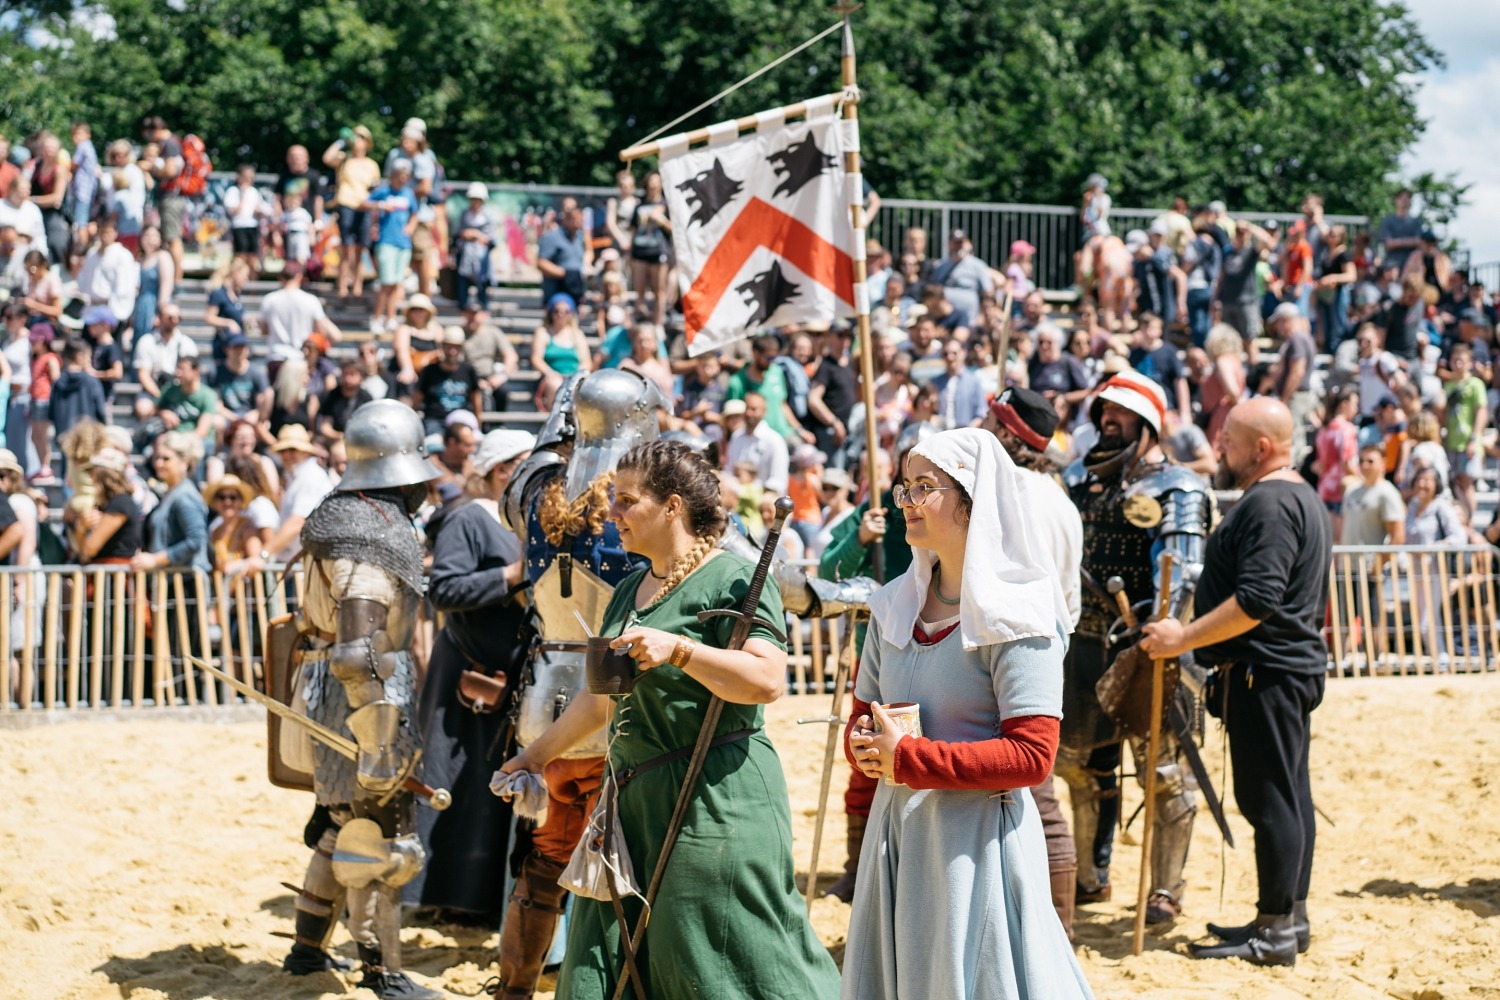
x=953, y=897
x=158, y=278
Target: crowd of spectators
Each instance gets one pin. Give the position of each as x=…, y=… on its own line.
x=1373, y=338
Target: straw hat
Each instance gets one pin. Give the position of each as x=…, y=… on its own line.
x=229, y=482
x=9, y=462
x=294, y=437
x=420, y=301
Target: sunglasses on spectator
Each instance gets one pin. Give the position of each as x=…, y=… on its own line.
x=227, y=498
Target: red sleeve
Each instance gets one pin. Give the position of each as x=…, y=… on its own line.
x=859, y=708
x=1021, y=758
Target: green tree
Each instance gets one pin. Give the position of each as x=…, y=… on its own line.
x=1255, y=102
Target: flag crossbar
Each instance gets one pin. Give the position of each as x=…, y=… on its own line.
x=817, y=107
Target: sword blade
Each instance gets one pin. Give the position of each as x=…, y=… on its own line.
x=762, y=570
x=320, y=733
x=1184, y=731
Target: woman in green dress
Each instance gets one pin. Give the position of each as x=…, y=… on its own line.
x=727, y=922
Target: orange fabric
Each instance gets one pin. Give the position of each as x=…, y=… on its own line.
x=807, y=505
x=572, y=789
x=1296, y=264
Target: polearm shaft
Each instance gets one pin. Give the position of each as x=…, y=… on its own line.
x=1153, y=749
x=835, y=730
x=438, y=798
x=855, y=177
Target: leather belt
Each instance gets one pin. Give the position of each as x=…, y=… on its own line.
x=623, y=778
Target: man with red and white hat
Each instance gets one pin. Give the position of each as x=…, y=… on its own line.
x=1135, y=506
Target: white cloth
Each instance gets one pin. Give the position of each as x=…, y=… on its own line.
x=767, y=450
x=289, y=315
x=308, y=485
x=1010, y=588
x=245, y=207
x=160, y=357
x=1060, y=530
x=27, y=219
x=110, y=276
x=18, y=353
x=263, y=514
x=526, y=791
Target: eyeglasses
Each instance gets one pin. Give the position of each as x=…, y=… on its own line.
x=915, y=496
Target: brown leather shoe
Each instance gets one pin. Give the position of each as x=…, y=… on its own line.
x=1083, y=896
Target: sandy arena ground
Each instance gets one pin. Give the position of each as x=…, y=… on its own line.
x=144, y=861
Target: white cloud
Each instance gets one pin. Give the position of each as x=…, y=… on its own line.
x=1463, y=120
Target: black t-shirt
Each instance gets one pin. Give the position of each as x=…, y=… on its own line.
x=1401, y=325
x=1272, y=552
x=443, y=391
x=840, y=391
x=337, y=407
x=1237, y=283
x=1162, y=365
x=309, y=184
x=105, y=357
x=1336, y=263
x=127, y=541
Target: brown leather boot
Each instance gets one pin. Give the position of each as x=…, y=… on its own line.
x=530, y=923
x=1064, y=885
x=843, y=889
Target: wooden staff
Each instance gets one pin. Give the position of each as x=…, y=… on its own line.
x=835, y=732
x=1153, y=747
x=861, y=290
x=1002, y=347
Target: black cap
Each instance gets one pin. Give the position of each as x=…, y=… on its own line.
x=1026, y=414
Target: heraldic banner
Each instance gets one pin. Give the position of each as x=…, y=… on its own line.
x=761, y=228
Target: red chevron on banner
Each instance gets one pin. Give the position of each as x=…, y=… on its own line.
x=760, y=224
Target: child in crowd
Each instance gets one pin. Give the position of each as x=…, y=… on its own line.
x=296, y=228
x=107, y=361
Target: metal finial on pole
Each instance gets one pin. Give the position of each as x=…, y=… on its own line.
x=861, y=290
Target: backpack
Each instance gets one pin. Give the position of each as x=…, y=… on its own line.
x=196, y=166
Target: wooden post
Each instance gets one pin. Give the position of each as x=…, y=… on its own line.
x=841, y=674
x=861, y=290
x=1153, y=748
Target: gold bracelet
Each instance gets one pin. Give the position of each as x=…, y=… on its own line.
x=682, y=652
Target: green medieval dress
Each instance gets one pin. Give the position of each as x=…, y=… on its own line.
x=728, y=922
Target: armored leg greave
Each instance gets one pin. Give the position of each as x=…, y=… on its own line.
x=1176, y=807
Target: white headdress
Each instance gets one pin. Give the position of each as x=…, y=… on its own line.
x=1010, y=590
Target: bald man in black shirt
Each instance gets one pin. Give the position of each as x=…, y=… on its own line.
x=1259, y=607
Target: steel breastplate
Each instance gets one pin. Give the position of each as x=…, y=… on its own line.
x=557, y=674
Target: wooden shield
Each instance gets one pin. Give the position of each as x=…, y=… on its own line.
x=280, y=667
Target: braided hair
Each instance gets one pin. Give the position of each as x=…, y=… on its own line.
x=670, y=468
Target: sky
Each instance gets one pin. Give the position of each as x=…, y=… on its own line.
x=1463, y=115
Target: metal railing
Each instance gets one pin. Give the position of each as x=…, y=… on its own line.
x=1412, y=609
x=1487, y=274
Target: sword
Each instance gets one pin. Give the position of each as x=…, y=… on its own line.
x=438, y=798
x=1184, y=731
x=745, y=619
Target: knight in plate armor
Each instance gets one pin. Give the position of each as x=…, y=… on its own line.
x=556, y=502
x=1135, y=507
x=363, y=566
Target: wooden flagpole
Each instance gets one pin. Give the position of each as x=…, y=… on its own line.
x=861, y=290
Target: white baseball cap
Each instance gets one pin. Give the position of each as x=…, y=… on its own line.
x=501, y=446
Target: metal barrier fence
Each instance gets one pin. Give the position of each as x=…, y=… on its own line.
x=1487, y=274
x=88, y=637
x=1055, y=230
x=1412, y=609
